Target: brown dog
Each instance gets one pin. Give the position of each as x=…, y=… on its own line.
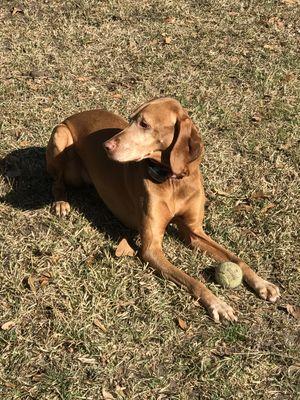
x=147, y=173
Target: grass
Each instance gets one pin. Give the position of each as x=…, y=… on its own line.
x=235, y=66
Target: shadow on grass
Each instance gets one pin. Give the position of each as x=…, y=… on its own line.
x=25, y=171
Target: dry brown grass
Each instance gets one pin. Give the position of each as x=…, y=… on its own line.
x=235, y=66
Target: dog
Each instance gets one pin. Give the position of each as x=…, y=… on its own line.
x=147, y=173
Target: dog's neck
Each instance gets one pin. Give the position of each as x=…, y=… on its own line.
x=159, y=172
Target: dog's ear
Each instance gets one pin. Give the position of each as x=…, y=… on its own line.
x=187, y=146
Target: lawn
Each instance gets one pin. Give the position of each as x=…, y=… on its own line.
x=78, y=322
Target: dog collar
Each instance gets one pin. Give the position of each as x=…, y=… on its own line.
x=158, y=172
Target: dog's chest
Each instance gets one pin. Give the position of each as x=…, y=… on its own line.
x=185, y=190
x=175, y=194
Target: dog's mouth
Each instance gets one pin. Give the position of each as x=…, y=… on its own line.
x=155, y=154
x=148, y=155
x=145, y=156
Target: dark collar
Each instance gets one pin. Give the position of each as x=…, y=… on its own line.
x=158, y=172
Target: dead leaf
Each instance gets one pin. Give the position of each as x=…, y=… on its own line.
x=222, y=193
x=293, y=310
x=37, y=377
x=86, y=360
x=23, y=143
x=47, y=274
x=182, y=324
x=222, y=351
x=83, y=78
x=279, y=24
x=290, y=2
x=7, y=325
x=289, y=77
x=279, y=163
x=120, y=390
x=55, y=258
x=9, y=385
x=258, y=195
x=31, y=283
x=44, y=279
x=168, y=40
x=117, y=95
x=294, y=370
x=247, y=231
x=90, y=260
x=16, y=10
x=243, y=207
x=287, y=145
x=99, y=325
x=233, y=297
x=48, y=109
x=122, y=303
x=35, y=73
x=124, y=249
x=106, y=395
x=276, y=22
x=270, y=46
x=170, y=20
x=267, y=207
x=256, y=117
x=44, y=282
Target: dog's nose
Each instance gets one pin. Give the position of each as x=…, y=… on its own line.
x=110, y=145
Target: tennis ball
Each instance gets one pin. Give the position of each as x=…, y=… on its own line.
x=229, y=275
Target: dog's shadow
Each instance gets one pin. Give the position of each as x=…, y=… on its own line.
x=30, y=189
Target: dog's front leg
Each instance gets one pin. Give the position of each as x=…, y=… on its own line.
x=151, y=251
x=199, y=240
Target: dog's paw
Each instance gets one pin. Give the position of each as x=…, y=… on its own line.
x=220, y=311
x=61, y=208
x=267, y=291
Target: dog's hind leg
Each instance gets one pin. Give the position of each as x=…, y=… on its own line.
x=64, y=165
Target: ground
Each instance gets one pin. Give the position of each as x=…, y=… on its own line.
x=79, y=323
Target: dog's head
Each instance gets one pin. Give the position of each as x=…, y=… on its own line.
x=161, y=130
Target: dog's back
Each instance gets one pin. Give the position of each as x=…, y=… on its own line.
x=75, y=156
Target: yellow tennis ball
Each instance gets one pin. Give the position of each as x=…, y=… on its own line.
x=229, y=275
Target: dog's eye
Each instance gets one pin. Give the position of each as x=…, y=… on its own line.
x=143, y=124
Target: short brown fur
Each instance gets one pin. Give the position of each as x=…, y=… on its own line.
x=102, y=148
